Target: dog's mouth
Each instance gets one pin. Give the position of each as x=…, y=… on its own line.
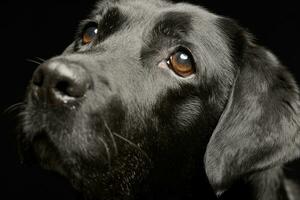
x=82, y=148
x=41, y=151
x=46, y=153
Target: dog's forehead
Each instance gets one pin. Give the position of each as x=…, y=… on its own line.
x=142, y=12
x=135, y=3
x=143, y=26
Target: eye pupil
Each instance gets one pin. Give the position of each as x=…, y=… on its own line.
x=89, y=34
x=182, y=63
x=182, y=58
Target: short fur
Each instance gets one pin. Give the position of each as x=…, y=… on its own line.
x=141, y=132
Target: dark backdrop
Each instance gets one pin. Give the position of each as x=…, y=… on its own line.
x=43, y=29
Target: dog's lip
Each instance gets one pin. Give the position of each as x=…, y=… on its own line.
x=40, y=151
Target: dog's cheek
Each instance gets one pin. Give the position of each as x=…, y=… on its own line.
x=187, y=114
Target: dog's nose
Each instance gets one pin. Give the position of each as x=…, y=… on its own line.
x=60, y=81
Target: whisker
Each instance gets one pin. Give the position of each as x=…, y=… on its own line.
x=41, y=59
x=133, y=145
x=13, y=107
x=107, y=152
x=33, y=61
x=112, y=138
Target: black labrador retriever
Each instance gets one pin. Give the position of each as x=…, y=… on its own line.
x=155, y=100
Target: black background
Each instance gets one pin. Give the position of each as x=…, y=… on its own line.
x=43, y=29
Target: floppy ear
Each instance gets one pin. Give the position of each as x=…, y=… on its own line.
x=259, y=127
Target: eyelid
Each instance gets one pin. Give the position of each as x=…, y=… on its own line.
x=189, y=55
x=88, y=25
x=82, y=28
x=171, y=51
x=181, y=48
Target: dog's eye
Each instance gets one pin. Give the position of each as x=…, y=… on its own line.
x=89, y=34
x=182, y=63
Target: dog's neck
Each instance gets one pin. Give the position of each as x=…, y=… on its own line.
x=266, y=185
x=269, y=184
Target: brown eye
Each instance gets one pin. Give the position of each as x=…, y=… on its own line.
x=89, y=34
x=182, y=63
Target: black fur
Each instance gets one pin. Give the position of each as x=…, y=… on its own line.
x=142, y=132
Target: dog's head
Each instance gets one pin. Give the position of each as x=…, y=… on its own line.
x=151, y=95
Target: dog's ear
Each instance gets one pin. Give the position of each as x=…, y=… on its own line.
x=259, y=127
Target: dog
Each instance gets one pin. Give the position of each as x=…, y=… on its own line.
x=161, y=100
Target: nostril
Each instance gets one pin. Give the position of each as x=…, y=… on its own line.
x=62, y=87
x=71, y=88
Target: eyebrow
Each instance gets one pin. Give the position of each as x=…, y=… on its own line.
x=173, y=24
x=110, y=22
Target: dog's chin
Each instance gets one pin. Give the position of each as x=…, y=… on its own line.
x=46, y=155
x=42, y=152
